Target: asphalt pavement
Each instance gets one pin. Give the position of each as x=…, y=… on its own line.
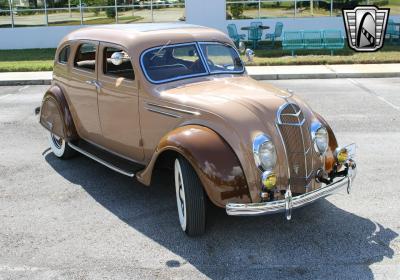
x=76, y=219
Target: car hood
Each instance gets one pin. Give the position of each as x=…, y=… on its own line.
x=241, y=99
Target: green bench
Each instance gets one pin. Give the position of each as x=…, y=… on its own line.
x=312, y=40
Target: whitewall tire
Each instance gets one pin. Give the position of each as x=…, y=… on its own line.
x=59, y=147
x=190, y=198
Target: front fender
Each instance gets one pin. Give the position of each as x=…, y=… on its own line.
x=55, y=115
x=214, y=161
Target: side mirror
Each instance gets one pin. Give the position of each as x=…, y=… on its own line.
x=118, y=57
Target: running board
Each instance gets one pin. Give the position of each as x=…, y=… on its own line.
x=105, y=158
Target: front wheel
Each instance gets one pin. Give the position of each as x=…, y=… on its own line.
x=59, y=147
x=189, y=198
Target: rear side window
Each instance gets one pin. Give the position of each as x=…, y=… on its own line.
x=85, y=57
x=123, y=70
x=64, y=55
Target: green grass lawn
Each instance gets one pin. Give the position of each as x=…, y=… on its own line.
x=42, y=59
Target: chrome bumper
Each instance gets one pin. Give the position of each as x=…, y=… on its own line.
x=289, y=203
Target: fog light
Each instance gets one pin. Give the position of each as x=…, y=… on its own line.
x=341, y=155
x=268, y=180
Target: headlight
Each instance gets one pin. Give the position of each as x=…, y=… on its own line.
x=264, y=152
x=320, y=137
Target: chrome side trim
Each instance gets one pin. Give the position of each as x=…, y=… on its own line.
x=174, y=109
x=162, y=112
x=99, y=160
x=289, y=203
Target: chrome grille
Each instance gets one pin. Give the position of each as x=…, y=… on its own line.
x=294, y=130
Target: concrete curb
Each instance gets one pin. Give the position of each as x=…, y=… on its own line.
x=25, y=82
x=324, y=76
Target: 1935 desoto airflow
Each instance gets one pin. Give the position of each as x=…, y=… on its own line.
x=132, y=96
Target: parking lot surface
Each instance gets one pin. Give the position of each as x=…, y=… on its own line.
x=76, y=219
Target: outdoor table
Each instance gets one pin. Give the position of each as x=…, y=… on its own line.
x=262, y=27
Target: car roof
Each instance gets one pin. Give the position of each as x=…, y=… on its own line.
x=147, y=35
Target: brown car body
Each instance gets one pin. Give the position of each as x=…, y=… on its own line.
x=210, y=120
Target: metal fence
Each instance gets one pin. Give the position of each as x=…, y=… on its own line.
x=22, y=13
x=261, y=9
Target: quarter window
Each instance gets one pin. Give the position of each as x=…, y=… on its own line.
x=123, y=70
x=86, y=57
x=64, y=55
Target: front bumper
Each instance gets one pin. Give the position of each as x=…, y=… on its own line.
x=289, y=203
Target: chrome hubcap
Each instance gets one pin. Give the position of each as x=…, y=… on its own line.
x=57, y=141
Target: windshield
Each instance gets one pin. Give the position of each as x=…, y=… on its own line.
x=174, y=62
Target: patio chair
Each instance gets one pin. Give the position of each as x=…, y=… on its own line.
x=234, y=35
x=277, y=33
x=255, y=33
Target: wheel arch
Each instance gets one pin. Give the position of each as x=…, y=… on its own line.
x=55, y=115
x=213, y=160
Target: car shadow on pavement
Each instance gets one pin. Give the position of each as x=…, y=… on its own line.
x=321, y=241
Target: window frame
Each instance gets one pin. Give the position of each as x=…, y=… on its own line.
x=59, y=54
x=106, y=45
x=78, y=47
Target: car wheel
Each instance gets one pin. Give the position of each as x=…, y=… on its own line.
x=189, y=198
x=60, y=148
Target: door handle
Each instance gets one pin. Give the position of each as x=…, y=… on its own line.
x=95, y=83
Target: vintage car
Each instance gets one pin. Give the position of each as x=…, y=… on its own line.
x=135, y=97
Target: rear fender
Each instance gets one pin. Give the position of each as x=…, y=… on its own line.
x=55, y=115
x=214, y=161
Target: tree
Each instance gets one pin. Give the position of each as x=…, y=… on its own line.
x=236, y=10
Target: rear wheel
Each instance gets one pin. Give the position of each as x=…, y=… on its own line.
x=190, y=198
x=59, y=147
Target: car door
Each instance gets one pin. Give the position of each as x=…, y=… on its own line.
x=118, y=103
x=82, y=90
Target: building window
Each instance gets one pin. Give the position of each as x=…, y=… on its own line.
x=264, y=9
x=17, y=13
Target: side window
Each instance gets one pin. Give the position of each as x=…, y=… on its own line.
x=64, y=55
x=85, y=57
x=123, y=70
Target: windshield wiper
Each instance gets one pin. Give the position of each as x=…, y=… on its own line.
x=160, y=50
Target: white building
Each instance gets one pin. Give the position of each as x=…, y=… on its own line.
x=42, y=23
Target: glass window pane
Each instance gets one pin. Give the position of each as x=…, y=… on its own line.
x=133, y=14
x=241, y=9
x=221, y=58
x=92, y=15
x=171, y=63
x=123, y=70
x=5, y=17
x=275, y=9
x=29, y=17
x=85, y=57
x=394, y=5
x=168, y=13
x=64, y=16
x=64, y=55
x=313, y=8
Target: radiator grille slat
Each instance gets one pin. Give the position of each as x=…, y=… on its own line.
x=297, y=140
